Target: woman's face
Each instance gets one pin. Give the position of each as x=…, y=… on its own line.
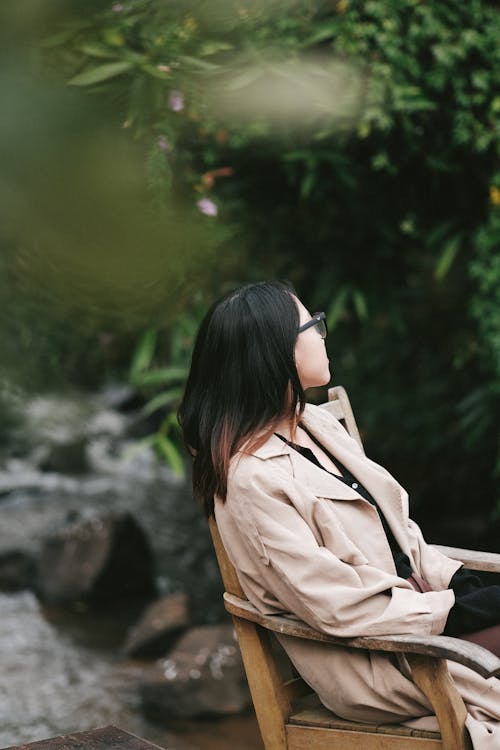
x=311, y=358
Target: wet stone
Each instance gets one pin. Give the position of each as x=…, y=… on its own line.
x=101, y=558
x=17, y=570
x=159, y=626
x=202, y=676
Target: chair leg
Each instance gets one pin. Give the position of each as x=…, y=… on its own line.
x=431, y=675
x=269, y=695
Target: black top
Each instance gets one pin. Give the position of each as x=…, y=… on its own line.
x=477, y=605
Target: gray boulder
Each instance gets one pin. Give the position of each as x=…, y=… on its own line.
x=101, y=558
x=159, y=626
x=202, y=676
x=17, y=570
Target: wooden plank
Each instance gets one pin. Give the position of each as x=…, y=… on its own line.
x=471, y=655
x=334, y=407
x=321, y=717
x=473, y=559
x=227, y=569
x=339, y=393
x=103, y=738
x=269, y=696
x=303, y=738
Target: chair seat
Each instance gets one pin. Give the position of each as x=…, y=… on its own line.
x=309, y=711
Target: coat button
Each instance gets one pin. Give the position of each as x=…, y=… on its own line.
x=355, y=485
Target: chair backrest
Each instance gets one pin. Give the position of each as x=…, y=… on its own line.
x=271, y=677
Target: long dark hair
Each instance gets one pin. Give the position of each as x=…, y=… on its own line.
x=242, y=380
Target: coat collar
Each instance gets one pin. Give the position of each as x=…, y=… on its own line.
x=332, y=435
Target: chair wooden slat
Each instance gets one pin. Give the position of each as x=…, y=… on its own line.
x=473, y=559
x=469, y=654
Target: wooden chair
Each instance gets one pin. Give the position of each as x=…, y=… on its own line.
x=291, y=717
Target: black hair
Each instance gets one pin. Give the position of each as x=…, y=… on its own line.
x=242, y=380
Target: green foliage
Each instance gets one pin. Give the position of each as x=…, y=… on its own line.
x=162, y=386
x=354, y=145
x=485, y=269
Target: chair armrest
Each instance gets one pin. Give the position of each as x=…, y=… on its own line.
x=473, y=559
x=471, y=655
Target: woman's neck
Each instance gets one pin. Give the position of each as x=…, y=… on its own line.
x=287, y=428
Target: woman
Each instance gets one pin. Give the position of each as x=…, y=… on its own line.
x=313, y=527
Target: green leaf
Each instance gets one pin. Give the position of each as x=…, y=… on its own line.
x=100, y=73
x=160, y=376
x=211, y=47
x=143, y=354
x=326, y=31
x=172, y=455
x=94, y=49
x=195, y=62
x=153, y=70
x=163, y=399
x=61, y=37
x=138, y=446
x=307, y=184
x=360, y=305
x=447, y=257
x=337, y=308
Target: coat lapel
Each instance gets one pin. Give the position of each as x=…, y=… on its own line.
x=382, y=486
x=329, y=432
x=318, y=481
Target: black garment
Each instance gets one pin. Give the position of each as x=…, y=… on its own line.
x=477, y=605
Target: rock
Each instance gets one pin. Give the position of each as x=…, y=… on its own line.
x=202, y=676
x=106, y=422
x=101, y=558
x=17, y=570
x=66, y=457
x=159, y=626
x=119, y=396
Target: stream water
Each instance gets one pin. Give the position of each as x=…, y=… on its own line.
x=63, y=669
x=52, y=683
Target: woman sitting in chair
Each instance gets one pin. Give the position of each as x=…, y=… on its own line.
x=313, y=527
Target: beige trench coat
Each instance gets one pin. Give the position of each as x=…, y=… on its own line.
x=306, y=544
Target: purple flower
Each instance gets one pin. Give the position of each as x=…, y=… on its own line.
x=117, y=7
x=176, y=101
x=163, y=143
x=207, y=207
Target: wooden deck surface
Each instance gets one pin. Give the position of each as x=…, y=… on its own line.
x=104, y=738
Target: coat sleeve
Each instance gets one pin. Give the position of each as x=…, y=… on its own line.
x=309, y=581
x=435, y=567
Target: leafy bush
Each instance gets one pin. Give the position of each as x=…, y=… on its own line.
x=353, y=147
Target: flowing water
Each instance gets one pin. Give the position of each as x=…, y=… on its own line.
x=50, y=684
x=62, y=669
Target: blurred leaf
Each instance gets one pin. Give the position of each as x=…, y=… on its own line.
x=338, y=306
x=161, y=376
x=360, y=305
x=94, y=49
x=447, y=257
x=166, y=398
x=211, y=47
x=143, y=355
x=195, y=62
x=171, y=454
x=100, y=73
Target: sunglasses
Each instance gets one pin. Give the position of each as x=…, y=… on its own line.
x=317, y=321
